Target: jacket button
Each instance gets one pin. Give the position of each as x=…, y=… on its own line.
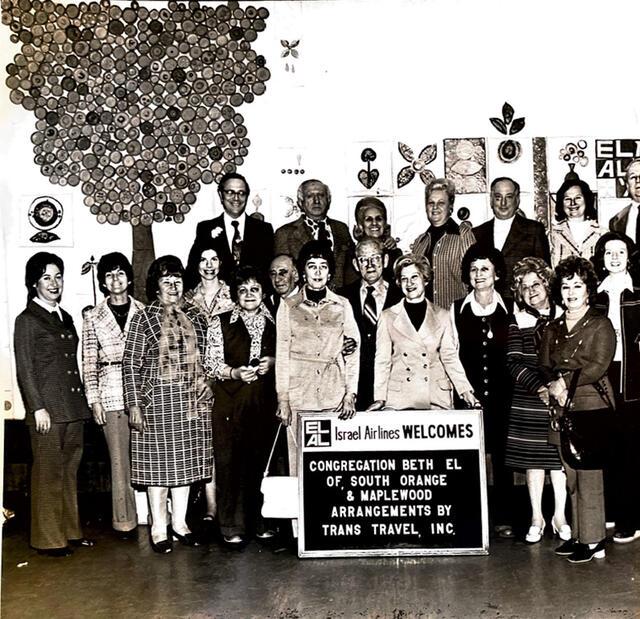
x=404, y=354
x=68, y=371
x=486, y=393
x=424, y=354
x=62, y=335
x=425, y=366
x=408, y=379
x=486, y=381
x=426, y=378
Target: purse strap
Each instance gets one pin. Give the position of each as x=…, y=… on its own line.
x=273, y=447
x=571, y=392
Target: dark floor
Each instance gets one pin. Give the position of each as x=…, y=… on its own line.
x=125, y=579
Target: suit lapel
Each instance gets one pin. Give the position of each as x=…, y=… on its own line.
x=49, y=319
x=302, y=232
x=403, y=324
x=514, y=235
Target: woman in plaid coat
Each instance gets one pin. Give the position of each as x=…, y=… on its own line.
x=166, y=394
x=104, y=331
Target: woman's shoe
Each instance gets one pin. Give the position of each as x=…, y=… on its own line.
x=188, y=539
x=65, y=551
x=563, y=531
x=504, y=531
x=535, y=532
x=82, y=542
x=232, y=539
x=162, y=547
x=584, y=553
x=567, y=548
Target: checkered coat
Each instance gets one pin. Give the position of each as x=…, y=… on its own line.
x=173, y=450
x=102, y=351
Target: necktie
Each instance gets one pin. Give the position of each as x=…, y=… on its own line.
x=637, y=226
x=323, y=235
x=370, y=309
x=236, y=242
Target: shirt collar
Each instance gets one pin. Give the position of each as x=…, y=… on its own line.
x=227, y=224
x=52, y=309
x=608, y=286
x=478, y=310
x=380, y=286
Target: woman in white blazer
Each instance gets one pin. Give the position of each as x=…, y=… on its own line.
x=104, y=332
x=417, y=364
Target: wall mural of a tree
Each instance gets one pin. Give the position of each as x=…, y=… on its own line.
x=136, y=106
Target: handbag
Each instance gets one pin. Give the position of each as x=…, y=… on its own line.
x=584, y=435
x=280, y=491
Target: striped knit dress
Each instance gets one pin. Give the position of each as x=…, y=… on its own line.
x=527, y=433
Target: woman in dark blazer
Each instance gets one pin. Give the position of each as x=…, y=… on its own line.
x=615, y=261
x=581, y=339
x=46, y=342
x=240, y=356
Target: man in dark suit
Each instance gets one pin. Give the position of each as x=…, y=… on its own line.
x=627, y=220
x=314, y=199
x=368, y=297
x=514, y=235
x=239, y=240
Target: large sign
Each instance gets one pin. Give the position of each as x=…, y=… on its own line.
x=392, y=483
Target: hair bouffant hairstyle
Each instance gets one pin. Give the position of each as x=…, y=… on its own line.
x=441, y=184
x=242, y=275
x=420, y=262
x=230, y=176
x=589, y=199
x=569, y=268
x=598, y=255
x=111, y=262
x=483, y=252
x=160, y=267
x=192, y=273
x=35, y=268
x=361, y=207
x=524, y=267
x=316, y=249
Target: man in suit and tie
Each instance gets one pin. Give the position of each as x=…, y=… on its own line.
x=284, y=280
x=314, y=199
x=514, y=235
x=627, y=220
x=368, y=297
x=240, y=240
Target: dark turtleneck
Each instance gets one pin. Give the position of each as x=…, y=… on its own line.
x=416, y=312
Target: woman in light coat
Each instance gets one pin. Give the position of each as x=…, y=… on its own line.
x=104, y=331
x=417, y=364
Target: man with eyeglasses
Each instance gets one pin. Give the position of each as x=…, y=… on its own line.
x=239, y=240
x=368, y=297
x=314, y=199
x=510, y=232
x=627, y=220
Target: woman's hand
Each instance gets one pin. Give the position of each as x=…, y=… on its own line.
x=347, y=407
x=245, y=373
x=43, y=421
x=99, y=415
x=470, y=399
x=284, y=413
x=390, y=243
x=136, y=419
x=558, y=390
x=543, y=394
x=205, y=393
x=348, y=346
x=376, y=406
x=266, y=363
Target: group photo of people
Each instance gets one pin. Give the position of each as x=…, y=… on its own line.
x=540, y=329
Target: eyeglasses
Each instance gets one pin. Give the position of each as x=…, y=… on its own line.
x=229, y=193
x=374, y=260
x=572, y=201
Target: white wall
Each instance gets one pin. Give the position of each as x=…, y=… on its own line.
x=382, y=72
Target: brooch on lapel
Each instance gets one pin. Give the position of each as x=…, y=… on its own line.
x=216, y=232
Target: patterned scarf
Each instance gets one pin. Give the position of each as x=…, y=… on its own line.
x=254, y=323
x=178, y=353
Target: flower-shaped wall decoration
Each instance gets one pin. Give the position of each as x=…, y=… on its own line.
x=289, y=50
x=417, y=164
x=575, y=153
x=508, y=150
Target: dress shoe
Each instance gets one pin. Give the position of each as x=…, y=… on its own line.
x=55, y=552
x=626, y=537
x=162, y=547
x=563, y=531
x=585, y=553
x=188, y=539
x=265, y=535
x=82, y=542
x=568, y=548
x=232, y=539
x=127, y=535
x=534, y=534
x=504, y=531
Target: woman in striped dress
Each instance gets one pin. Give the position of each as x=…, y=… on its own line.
x=528, y=446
